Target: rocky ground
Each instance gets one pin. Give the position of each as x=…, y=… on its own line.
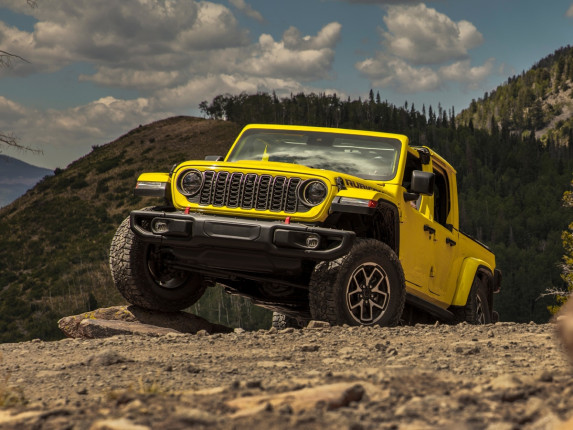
x=501, y=376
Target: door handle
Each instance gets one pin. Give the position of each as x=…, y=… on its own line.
x=429, y=229
x=450, y=242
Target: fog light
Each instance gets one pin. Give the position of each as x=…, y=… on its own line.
x=312, y=241
x=159, y=226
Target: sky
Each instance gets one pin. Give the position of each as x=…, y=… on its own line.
x=96, y=69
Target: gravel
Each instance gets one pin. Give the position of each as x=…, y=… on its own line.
x=502, y=376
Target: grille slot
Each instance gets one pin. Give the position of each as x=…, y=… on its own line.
x=250, y=191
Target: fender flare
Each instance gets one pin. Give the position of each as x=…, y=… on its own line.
x=383, y=206
x=153, y=185
x=472, y=267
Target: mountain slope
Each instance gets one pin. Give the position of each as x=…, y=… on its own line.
x=17, y=177
x=54, y=240
x=539, y=101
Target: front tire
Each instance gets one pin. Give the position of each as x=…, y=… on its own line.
x=365, y=287
x=143, y=278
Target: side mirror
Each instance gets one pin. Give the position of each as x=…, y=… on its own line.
x=422, y=183
x=214, y=158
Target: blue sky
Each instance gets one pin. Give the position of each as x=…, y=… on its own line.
x=100, y=68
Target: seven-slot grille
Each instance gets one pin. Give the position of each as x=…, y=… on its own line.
x=250, y=191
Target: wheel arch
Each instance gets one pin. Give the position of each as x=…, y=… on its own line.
x=472, y=268
x=381, y=222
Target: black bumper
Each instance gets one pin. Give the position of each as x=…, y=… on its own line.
x=240, y=244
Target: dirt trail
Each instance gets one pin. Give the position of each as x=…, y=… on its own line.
x=500, y=376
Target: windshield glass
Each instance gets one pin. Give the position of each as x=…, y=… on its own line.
x=367, y=157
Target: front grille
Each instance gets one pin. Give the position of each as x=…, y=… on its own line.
x=250, y=191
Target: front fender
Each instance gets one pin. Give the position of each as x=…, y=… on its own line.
x=470, y=267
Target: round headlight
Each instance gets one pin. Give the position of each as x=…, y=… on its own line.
x=190, y=182
x=313, y=192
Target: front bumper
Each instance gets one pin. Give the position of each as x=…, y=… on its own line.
x=240, y=244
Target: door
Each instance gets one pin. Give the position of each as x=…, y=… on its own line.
x=417, y=233
x=447, y=259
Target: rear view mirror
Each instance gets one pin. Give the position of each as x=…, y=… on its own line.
x=422, y=183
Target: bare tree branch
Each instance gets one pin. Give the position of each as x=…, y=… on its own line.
x=554, y=292
x=6, y=59
x=12, y=141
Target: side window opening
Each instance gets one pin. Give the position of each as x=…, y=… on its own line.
x=442, y=203
x=412, y=163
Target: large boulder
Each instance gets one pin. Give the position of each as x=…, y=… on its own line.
x=106, y=322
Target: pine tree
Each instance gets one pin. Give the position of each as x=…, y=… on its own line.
x=567, y=264
x=567, y=237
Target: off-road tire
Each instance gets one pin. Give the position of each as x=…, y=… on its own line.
x=282, y=321
x=130, y=260
x=477, y=309
x=369, y=276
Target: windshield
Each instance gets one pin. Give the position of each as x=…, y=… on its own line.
x=367, y=157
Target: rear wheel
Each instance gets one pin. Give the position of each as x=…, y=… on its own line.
x=477, y=309
x=365, y=287
x=142, y=274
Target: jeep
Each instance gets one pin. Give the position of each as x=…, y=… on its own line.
x=344, y=226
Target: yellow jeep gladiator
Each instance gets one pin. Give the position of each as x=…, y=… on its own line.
x=344, y=226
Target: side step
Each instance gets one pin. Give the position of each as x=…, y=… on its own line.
x=442, y=314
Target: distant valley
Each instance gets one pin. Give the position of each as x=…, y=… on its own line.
x=17, y=177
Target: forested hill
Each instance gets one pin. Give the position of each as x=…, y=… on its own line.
x=538, y=101
x=510, y=184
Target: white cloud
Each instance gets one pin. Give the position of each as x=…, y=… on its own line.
x=294, y=57
x=205, y=88
x=423, y=51
x=462, y=71
x=384, y=71
x=11, y=111
x=172, y=53
x=135, y=34
x=214, y=28
x=423, y=35
x=139, y=79
x=326, y=38
x=150, y=45
x=247, y=9
x=65, y=135
x=41, y=58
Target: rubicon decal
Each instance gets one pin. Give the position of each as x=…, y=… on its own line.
x=353, y=184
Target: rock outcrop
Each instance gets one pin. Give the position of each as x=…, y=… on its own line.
x=116, y=320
